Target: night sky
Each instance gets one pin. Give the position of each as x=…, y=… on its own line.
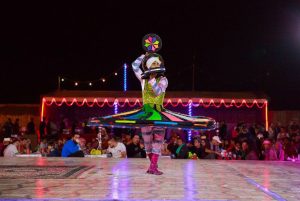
x=234, y=45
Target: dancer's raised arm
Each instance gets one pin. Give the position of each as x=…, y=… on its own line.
x=136, y=67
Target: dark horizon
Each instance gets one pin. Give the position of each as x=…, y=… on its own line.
x=235, y=46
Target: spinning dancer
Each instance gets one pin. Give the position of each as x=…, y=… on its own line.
x=154, y=85
x=153, y=118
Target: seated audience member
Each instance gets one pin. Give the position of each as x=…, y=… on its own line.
x=105, y=139
x=43, y=146
x=172, y=146
x=247, y=152
x=290, y=149
x=182, y=150
x=237, y=151
x=95, y=143
x=52, y=150
x=269, y=151
x=126, y=138
x=25, y=146
x=11, y=150
x=213, y=151
x=135, y=149
x=164, y=149
x=116, y=149
x=198, y=148
x=2, y=146
x=82, y=145
x=279, y=152
x=60, y=145
x=282, y=134
x=71, y=147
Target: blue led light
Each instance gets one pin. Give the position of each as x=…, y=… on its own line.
x=116, y=107
x=165, y=123
x=190, y=113
x=125, y=77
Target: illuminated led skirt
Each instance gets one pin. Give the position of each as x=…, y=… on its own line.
x=147, y=116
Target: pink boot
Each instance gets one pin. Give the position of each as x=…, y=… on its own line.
x=153, y=165
x=150, y=158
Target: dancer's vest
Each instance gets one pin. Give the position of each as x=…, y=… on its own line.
x=150, y=98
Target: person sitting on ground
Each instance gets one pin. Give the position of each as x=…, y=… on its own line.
x=237, y=151
x=43, y=146
x=172, y=146
x=52, y=150
x=127, y=139
x=182, y=150
x=116, y=149
x=11, y=150
x=2, y=146
x=198, y=148
x=247, y=152
x=282, y=134
x=82, y=145
x=279, y=152
x=214, y=150
x=105, y=139
x=290, y=149
x=71, y=147
x=24, y=146
x=135, y=149
x=268, y=151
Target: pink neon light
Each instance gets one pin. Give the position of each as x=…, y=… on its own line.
x=211, y=103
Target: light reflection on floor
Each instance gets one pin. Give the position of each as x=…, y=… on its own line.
x=112, y=179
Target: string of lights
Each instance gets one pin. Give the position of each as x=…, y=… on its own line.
x=76, y=83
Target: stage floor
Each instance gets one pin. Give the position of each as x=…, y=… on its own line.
x=125, y=179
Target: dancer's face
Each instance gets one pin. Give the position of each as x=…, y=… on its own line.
x=155, y=64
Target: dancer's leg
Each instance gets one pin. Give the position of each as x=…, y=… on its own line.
x=159, y=134
x=148, y=139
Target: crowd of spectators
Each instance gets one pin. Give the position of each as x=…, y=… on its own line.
x=243, y=142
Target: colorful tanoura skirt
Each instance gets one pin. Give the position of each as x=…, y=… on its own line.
x=154, y=115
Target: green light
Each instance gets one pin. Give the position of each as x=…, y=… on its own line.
x=125, y=121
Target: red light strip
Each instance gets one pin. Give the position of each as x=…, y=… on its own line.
x=267, y=116
x=42, y=109
x=233, y=103
x=169, y=101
